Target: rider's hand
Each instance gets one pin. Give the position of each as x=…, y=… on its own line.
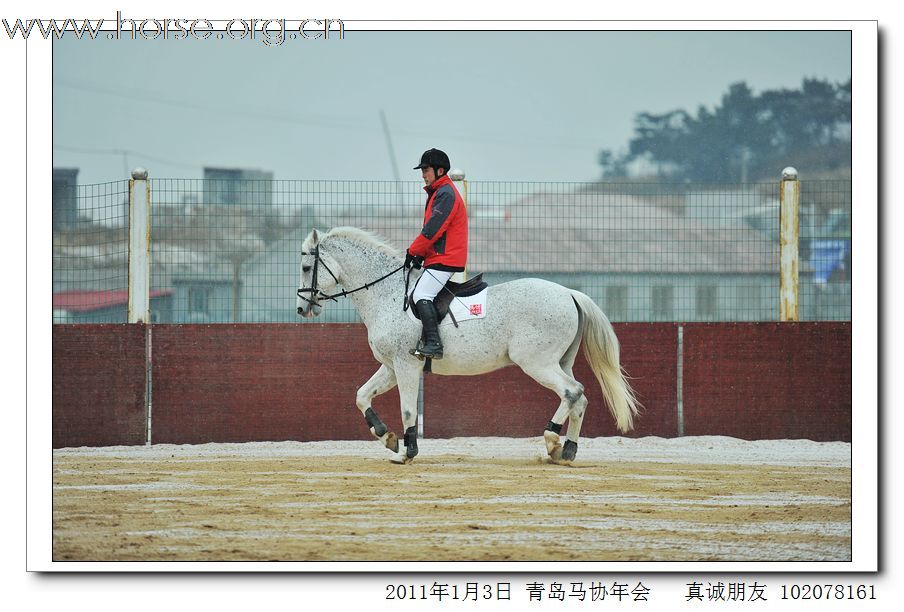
x=413, y=260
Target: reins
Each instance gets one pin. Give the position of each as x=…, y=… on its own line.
x=314, y=290
x=405, y=297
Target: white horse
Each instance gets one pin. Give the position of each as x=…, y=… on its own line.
x=532, y=323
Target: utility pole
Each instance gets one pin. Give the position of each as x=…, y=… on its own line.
x=392, y=157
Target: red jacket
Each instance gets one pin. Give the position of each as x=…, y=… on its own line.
x=443, y=242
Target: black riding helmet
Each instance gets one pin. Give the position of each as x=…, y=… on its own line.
x=434, y=158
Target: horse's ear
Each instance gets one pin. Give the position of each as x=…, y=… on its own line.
x=315, y=237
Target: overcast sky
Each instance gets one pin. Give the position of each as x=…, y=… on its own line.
x=503, y=105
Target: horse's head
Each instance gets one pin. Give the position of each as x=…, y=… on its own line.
x=319, y=276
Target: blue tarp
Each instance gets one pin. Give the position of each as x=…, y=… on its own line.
x=826, y=256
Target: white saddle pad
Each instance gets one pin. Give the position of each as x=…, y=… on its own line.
x=463, y=308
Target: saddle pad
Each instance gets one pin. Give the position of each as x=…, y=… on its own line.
x=462, y=308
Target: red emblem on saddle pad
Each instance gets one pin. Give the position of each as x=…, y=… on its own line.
x=476, y=309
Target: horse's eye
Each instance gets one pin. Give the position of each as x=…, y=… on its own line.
x=305, y=268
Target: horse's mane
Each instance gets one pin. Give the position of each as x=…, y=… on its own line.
x=364, y=237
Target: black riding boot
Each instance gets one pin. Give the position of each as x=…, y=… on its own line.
x=432, y=346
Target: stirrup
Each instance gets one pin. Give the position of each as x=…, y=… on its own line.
x=420, y=355
x=417, y=352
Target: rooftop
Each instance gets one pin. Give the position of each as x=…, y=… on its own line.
x=87, y=301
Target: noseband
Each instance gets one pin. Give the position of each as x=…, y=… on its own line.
x=316, y=294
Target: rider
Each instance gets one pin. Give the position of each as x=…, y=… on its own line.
x=442, y=245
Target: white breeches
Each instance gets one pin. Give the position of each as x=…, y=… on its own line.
x=429, y=284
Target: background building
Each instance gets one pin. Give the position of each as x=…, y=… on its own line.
x=65, y=201
x=237, y=187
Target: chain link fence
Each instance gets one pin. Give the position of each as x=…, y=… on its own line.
x=227, y=250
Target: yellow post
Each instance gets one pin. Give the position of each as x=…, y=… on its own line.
x=458, y=179
x=789, y=234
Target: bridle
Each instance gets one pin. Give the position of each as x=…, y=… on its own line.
x=314, y=290
x=316, y=294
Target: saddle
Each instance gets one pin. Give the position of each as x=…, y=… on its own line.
x=450, y=291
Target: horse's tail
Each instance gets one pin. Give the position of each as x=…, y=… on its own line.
x=601, y=349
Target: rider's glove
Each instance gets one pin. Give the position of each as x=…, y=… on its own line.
x=413, y=260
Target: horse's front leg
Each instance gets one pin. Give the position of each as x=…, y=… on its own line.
x=408, y=376
x=382, y=381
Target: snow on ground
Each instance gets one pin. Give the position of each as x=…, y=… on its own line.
x=690, y=449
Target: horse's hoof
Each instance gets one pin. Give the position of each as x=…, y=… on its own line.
x=400, y=459
x=553, y=445
x=564, y=455
x=569, y=451
x=391, y=441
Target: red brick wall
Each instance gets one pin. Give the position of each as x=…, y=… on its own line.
x=768, y=380
x=99, y=383
x=509, y=403
x=238, y=383
x=233, y=383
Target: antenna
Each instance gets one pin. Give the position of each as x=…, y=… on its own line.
x=392, y=157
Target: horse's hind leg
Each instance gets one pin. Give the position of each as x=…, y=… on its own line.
x=575, y=419
x=578, y=409
x=572, y=405
x=382, y=381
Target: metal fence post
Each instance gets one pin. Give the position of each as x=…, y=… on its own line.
x=139, y=247
x=789, y=234
x=458, y=179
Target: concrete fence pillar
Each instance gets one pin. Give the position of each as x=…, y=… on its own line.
x=139, y=247
x=789, y=236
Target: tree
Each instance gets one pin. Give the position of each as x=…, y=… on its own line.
x=661, y=138
x=745, y=135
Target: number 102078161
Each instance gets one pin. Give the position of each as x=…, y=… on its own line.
x=829, y=591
